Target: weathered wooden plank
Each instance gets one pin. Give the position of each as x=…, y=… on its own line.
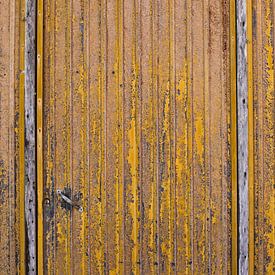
x=137, y=113
x=148, y=139
x=48, y=146
x=256, y=135
x=21, y=139
x=199, y=183
x=219, y=157
x=165, y=91
x=12, y=226
x=30, y=134
x=12, y=50
x=7, y=86
x=131, y=110
x=39, y=133
x=113, y=136
x=60, y=160
x=232, y=132
x=261, y=137
x=242, y=135
x=211, y=159
x=182, y=139
x=95, y=75
x=78, y=150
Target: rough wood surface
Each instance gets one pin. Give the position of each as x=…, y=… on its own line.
x=262, y=129
x=30, y=162
x=242, y=136
x=11, y=129
x=136, y=121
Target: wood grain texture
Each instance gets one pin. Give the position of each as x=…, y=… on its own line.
x=242, y=99
x=137, y=129
x=12, y=225
x=234, y=141
x=261, y=131
x=39, y=137
x=30, y=134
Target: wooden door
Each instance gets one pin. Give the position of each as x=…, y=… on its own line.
x=138, y=130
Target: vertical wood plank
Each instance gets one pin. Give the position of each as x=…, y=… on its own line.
x=131, y=134
x=132, y=130
x=250, y=121
x=165, y=128
x=30, y=134
x=12, y=141
x=113, y=136
x=232, y=135
x=182, y=114
x=242, y=135
x=39, y=135
x=95, y=73
x=200, y=207
x=148, y=140
x=78, y=150
x=261, y=109
x=48, y=193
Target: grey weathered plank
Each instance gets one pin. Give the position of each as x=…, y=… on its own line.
x=30, y=158
x=242, y=135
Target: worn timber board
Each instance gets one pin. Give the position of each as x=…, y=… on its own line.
x=30, y=134
x=140, y=120
x=261, y=138
x=242, y=110
x=12, y=230
x=137, y=126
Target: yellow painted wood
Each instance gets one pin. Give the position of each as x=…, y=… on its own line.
x=139, y=127
x=251, y=205
x=12, y=226
x=95, y=73
x=136, y=121
x=261, y=136
x=148, y=152
x=233, y=138
x=21, y=129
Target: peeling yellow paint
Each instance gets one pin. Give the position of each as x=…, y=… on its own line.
x=133, y=162
x=21, y=268
x=127, y=114
x=269, y=134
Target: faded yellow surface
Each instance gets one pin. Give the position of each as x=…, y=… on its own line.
x=12, y=229
x=136, y=121
x=139, y=127
x=261, y=133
